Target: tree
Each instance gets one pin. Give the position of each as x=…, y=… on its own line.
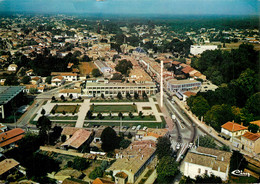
x=129, y=136
x=96, y=173
x=71, y=96
x=62, y=97
x=117, y=76
x=131, y=115
x=102, y=95
x=43, y=112
x=237, y=161
x=53, y=98
x=64, y=112
x=26, y=80
x=206, y=141
x=44, y=126
x=53, y=111
x=119, y=95
x=89, y=114
x=63, y=138
x=124, y=67
x=253, y=104
x=225, y=148
x=144, y=95
x=124, y=143
x=208, y=179
x=199, y=105
x=140, y=114
x=48, y=79
x=120, y=115
x=96, y=72
x=166, y=169
x=253, y=128
x=109, y=138
x=136, y=96
x=80, y=163
x=128, y=96
x=33, y=90
x=99, y=116
x=163, y=147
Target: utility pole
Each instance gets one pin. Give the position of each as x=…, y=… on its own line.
x=161, y=85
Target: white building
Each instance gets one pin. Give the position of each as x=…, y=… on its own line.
x=12, y=68
x=232, y=129
x=198, y=49
x=68, y=76
x=67, y=92
x=207, y=161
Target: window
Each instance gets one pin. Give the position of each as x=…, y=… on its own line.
x=199, y=170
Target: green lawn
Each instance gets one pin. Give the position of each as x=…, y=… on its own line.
x=147, y=108
x=63, y=118
x=66, y=108
x=118, y=100
x=113, y=108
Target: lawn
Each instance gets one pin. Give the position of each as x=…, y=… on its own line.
x=67, y=101
x=126, y=118
x=63, y=117
x=86, y=68
x=66, y=108
x=147, y=108
x=113, y=108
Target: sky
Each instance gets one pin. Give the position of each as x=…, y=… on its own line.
x=121, y=7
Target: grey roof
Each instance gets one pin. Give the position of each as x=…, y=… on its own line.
x=7, y=93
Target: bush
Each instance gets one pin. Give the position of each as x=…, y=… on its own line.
x=96, y=173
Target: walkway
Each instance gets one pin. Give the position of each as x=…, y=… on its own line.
x=82, y=113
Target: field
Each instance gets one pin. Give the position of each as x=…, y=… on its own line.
x=113, y=108
x=230, y=46
x=66, y=108
x=86, y=68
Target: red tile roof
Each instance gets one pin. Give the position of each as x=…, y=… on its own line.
x=233, y=127
x=11, y=136
x=187, y=69
x=78, y=138
x=251, y=136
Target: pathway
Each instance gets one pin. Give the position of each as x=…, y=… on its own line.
x=82, y=113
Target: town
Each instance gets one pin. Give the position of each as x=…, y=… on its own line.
x=112, y=101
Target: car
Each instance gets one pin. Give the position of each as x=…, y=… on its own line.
x=179, y=138
x=145, y=128
x=178, y=146
x=133, y=128
x=138, y=127
x=191, y=144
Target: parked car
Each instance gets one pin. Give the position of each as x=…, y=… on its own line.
x=138, y=127
x=133, y=128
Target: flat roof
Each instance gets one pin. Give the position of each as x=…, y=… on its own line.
x=7, y=93
x=185, y=81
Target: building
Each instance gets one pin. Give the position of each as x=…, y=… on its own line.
x=7, y=166
x=182, y=85
x=12, y=68
x=110, y=89
x=3, y=128
x=57, y=81
x=79, y=138
x=67, y=92
x=9, y=138
x=102, y=66
x=251, y=142
x=207, y=161
x=198, y=49
x=132, y=161
x=9, y=94
x=68, y=76
x=232, y=129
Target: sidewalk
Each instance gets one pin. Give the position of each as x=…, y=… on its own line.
x=82, y=113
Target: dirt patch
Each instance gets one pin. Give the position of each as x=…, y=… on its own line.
x=85, y=68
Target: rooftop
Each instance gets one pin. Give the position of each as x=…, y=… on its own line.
x=7, y=164
x=78, y=138
x=251, y=136
x=208, y=157
x=233, y=127
x=256, y=122
x=11, y=136
x=7, y=93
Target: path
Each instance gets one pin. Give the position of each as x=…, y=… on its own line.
x=82, y=113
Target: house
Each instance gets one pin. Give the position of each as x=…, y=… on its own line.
x=2, y=82
x=102, y=181
x=67, y=92
x=232, y=129
x=68, y=76
x=57, y=81
x=36, y=80
x=132, y=161
x=12, y=68
x=79, y=138
x=187, y=94
x=7, y=166
x=3, y=128
x=182, y=85
x=251, y=142
x=207, y=161
x=151, y=134
x=9, y=138
x=29, y=72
